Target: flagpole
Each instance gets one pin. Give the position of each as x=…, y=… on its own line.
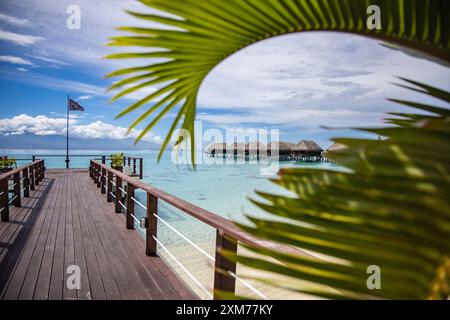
x=67, y=134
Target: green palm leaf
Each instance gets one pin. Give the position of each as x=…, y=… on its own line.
x=390, y=209
x=204, y=33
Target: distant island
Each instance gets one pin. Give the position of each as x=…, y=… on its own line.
x=58, y=142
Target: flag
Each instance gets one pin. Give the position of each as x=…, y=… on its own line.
x=75, y=106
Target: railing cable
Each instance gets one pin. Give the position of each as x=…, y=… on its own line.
x=182, y=267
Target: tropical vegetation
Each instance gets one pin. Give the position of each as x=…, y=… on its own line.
x=390, y=209
x=117, y=160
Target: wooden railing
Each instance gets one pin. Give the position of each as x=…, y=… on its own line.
x=136, y=164
x=23, y=179
x=120, y=188
x=133, y=163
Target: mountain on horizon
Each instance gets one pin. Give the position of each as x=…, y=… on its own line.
x=57, y=142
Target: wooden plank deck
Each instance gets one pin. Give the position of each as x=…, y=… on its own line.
x=66, y=222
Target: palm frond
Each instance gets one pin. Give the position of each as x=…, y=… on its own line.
x=391, y=208
x=203, y=33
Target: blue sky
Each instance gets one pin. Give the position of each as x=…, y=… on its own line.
x=295, y=83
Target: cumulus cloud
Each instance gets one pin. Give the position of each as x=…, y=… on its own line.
x=19, y=39
x=15, y=60
x=43, y=125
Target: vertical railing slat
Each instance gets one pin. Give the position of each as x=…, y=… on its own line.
x=4, y=200
x=223, y=281
x=26, y=182
x=17, y=194
x=119, y=194
x=152, y=223
x=130, y=206
x=109, y=197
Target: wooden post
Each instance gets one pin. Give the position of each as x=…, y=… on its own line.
x=17, y=200
x=141, y=173
x=134, y=166
x=26, y=182
x=130, y=206
x=222, y=280
x=34, y=159
x=36, y=174
x=109, y=197
x=152, y=221
x=99, y=176
x=104, y=159
x=118, y=194
x=103, y=181
x=31, y=175
x=4, y=200
x=43, y=170
x=129, y=161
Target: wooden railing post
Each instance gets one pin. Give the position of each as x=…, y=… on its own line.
x=43, y=170
x=17, y=194
x=103, y=181
x=4, y=200
x=26, y=182
x=222, y=280
x=130, y=206
x=152, y=223
x=95, y=173
x=36, y=174
x=32, y=179
x=109, y=197
x=119, y=194
x=134, y=166
x=141, y=174
x=104, y=159
x=33, y=159
x=99, y=176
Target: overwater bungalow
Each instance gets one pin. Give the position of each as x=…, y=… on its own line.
x=307, y=150
x=238, y=149
x=256, y=149
x=283, y=148
x=217, y=149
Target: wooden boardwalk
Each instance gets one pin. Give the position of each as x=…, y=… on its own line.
x=65, y=223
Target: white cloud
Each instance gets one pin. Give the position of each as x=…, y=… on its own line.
x=85, y=97
x=19, y=22
x=43, y=125
x=19, y=39
x=47, y=59
x=23, y=69
x=15, y=60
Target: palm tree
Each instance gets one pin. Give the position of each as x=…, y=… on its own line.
x=390, y=209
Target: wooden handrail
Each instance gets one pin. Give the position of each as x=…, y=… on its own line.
x=205, y=216
x=27, y=176
x=228, y=235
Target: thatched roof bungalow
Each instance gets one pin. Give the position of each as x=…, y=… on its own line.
x=237, y=148
x=283, y=148
x=307, y=149
x=216, y=148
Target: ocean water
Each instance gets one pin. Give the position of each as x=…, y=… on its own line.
x=223, y=189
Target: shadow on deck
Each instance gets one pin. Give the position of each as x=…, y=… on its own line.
x=65, y=227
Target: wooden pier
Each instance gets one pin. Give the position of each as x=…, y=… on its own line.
x=57, y=231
